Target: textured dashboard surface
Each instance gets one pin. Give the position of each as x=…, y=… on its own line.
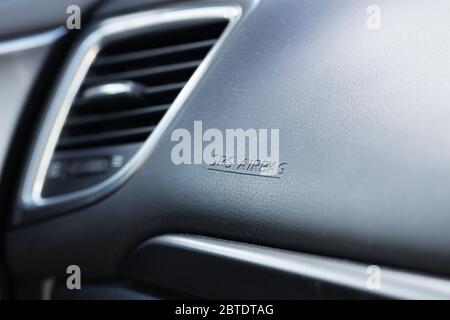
x=363, y=119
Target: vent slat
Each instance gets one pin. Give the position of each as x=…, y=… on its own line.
x=164, y=88
x=99, y=117
x=105, y=138
x=146, y=54
x=149, y=97
x=139, y=74
x=146, y=96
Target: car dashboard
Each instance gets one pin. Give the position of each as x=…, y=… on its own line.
x=126, y=149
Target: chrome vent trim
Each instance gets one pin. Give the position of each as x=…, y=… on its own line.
x=71, y=81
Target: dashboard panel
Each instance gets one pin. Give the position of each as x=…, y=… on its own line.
x=363, y=147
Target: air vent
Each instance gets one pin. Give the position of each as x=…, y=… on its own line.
x=132, y=83
x=126, y=75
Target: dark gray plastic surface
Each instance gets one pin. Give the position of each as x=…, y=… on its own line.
x=19, y=17
x=363, y=118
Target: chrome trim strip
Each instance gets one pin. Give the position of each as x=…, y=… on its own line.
x=70, y=83
x=394, y=283
x=30, y=42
